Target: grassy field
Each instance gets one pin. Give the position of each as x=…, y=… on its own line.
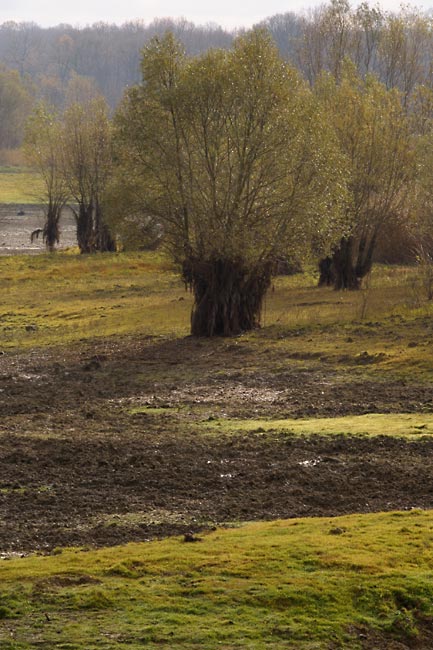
x=358, y=581
x=313, y=583
x=69, y=297
x=64, y=298
x=19, y=185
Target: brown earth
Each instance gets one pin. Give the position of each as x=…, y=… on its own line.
x=107, y=442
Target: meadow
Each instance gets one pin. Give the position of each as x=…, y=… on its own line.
x=19, y=185
x=266, y=491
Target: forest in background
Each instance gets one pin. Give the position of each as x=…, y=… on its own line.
x=52, y=64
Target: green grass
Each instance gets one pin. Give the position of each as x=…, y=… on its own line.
x=286, y=584
x=67, y=297
x=395, y=291
x=61, y=298
x=410, y=426
x=405, y=425
x=19, y=185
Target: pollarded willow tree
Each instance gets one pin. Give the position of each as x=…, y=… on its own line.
x=72, y=152
x=86, y=169
x=374, y=135
x=238, y=166
x=42, y=145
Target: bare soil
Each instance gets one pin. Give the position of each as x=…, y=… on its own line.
x=106, y=442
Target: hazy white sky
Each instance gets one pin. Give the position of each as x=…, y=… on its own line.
x=228, y=13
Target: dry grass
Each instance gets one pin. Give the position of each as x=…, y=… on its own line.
x=19, y=185
x=64, y=297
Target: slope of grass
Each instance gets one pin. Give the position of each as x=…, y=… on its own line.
x=286, y=584
x=67, y=297
x=19, y=185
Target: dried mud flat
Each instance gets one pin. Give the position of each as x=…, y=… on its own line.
x=19, y=221
x=107, y=442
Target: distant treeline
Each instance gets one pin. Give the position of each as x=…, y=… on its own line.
x=51, y=64
x=108, y=54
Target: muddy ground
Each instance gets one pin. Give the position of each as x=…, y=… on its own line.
x=106, y=442
x=18, y=221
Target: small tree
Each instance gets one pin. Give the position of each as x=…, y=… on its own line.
x=405, y=51
x=326, y=39
x=43, y=148
x=238, y=167
x=86, y=169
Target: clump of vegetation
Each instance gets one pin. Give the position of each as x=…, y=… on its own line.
x=44, y=153
x=374, y=135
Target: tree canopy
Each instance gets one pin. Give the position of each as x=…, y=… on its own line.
x=237, y=162
x=374, y=135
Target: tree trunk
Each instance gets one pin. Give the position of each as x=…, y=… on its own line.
x=327, y=276
x=365, y=256
x=51, y=232
x=339, y=270
x=93, y=235
x=344, y=268
x=85, y=228
x=349, y=263
x=228, y=295
x=104, y=241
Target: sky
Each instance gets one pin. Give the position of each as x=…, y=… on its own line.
x=228, y=13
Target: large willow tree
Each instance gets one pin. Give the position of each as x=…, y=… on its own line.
x=236, y=163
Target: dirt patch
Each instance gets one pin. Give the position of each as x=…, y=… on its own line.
x=205, y=377
x=79, y=467
x=376, y=640
x=60, y=492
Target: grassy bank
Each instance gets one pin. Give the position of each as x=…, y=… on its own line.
x=67, y=297
x=298, y=584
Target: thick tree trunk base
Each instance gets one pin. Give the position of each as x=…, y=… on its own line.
x=93, y=236
x=344, y=269
x=326, y=270
x=51, y=231
x=228, y=296
x=348, y=265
